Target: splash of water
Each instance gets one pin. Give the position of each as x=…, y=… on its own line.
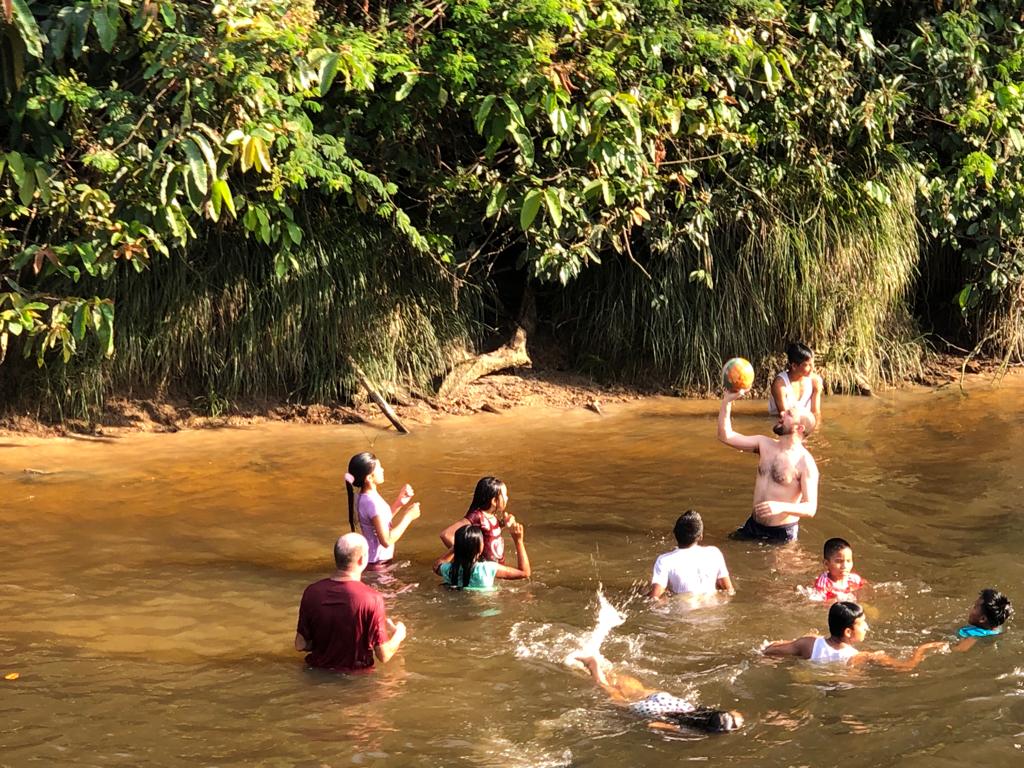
x=608, y=618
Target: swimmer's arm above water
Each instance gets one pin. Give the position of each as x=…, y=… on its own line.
x=904, y=665
x=447, y=557
x=388, y=536
x=817, y=385
x=725, y=431
x=389, y=647
x=448, y=534
x=404, y=497
x=801, y=647
x=522, y=559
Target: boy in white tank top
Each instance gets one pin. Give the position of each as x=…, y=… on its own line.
x=847, y=627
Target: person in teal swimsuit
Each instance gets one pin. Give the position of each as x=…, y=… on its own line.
x=986, y=618
x=462, y=568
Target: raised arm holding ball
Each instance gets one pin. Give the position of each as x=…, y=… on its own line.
x=786, y=488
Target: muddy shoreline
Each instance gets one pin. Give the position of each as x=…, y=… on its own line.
x=490, y=395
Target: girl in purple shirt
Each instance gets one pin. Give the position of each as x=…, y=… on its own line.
x=380, y=523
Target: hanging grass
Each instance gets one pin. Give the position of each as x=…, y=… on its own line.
x=837, y=273
x=222, y=327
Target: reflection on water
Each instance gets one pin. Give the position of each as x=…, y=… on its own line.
x=151, y=584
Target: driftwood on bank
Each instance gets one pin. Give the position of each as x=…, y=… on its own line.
x=375, y=396
x=512, y=355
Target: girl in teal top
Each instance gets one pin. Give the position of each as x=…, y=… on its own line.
x=990, y=611
x=462, y=568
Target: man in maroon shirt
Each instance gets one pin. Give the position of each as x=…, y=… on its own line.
x=341, y=620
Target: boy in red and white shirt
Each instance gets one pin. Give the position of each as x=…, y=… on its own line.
x=838, y=582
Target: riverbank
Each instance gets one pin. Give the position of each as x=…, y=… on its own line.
x=493, y=394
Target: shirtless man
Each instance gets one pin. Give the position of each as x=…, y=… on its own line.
x=786, y=489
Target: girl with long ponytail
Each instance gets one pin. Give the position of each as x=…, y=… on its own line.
x=379, y=522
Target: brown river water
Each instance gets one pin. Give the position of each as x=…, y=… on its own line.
x=150, y=586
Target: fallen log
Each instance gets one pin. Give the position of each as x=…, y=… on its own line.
x=375, y=396
x=512, y=355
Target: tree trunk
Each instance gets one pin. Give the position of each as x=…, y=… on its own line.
x=512, y=355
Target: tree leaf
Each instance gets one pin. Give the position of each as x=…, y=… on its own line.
x=223, y=191
x=17, y=165
x=79, y=322
x=327, y=69
x=18, y=12
x=105, y=20
x=554, y=206
x=407, y=86
x=192, y=192
x=197, y=165
x=79, y=19
x=27, y=188
x=496, y=200
x=531, y=204
x=262, y=156
x=208, y=155
x=480, y=118
x=514, y=111
x=106, y=329
x=524, y=141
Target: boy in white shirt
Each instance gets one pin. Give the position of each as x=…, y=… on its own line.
x=691, y=568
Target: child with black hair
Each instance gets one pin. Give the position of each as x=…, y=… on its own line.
x=661, y=710
x=847, y=627
x=990, y=611
x=798, y=384
x=692, y=568
x=838, y=582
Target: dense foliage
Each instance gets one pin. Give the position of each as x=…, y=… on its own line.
x=689, y=179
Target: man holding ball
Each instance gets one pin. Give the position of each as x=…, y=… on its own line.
x=786, y=488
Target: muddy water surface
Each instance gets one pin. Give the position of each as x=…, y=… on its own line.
x=150, y=584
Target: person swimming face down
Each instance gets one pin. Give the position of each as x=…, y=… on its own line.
x=796, y=420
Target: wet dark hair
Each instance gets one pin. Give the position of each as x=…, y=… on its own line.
x=486, y=491
x=360, y=467
x=835, y=546
x=469, y=544
x=705, y=719
x=841, y=616
x=688, y=528
x=797, y=353
x=995, y=607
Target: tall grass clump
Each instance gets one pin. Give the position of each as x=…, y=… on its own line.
x=835, y=270
x=222, y=326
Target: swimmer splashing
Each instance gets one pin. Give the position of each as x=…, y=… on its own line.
x=663, y=711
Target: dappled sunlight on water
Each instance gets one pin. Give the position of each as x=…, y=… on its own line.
x=151, y=584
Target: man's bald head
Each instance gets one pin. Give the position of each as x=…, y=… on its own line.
x=348, y=548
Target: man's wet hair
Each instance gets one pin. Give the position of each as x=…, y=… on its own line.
x=842, y=616
x=834, y=546
x=995, y=607
x=688, y=528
